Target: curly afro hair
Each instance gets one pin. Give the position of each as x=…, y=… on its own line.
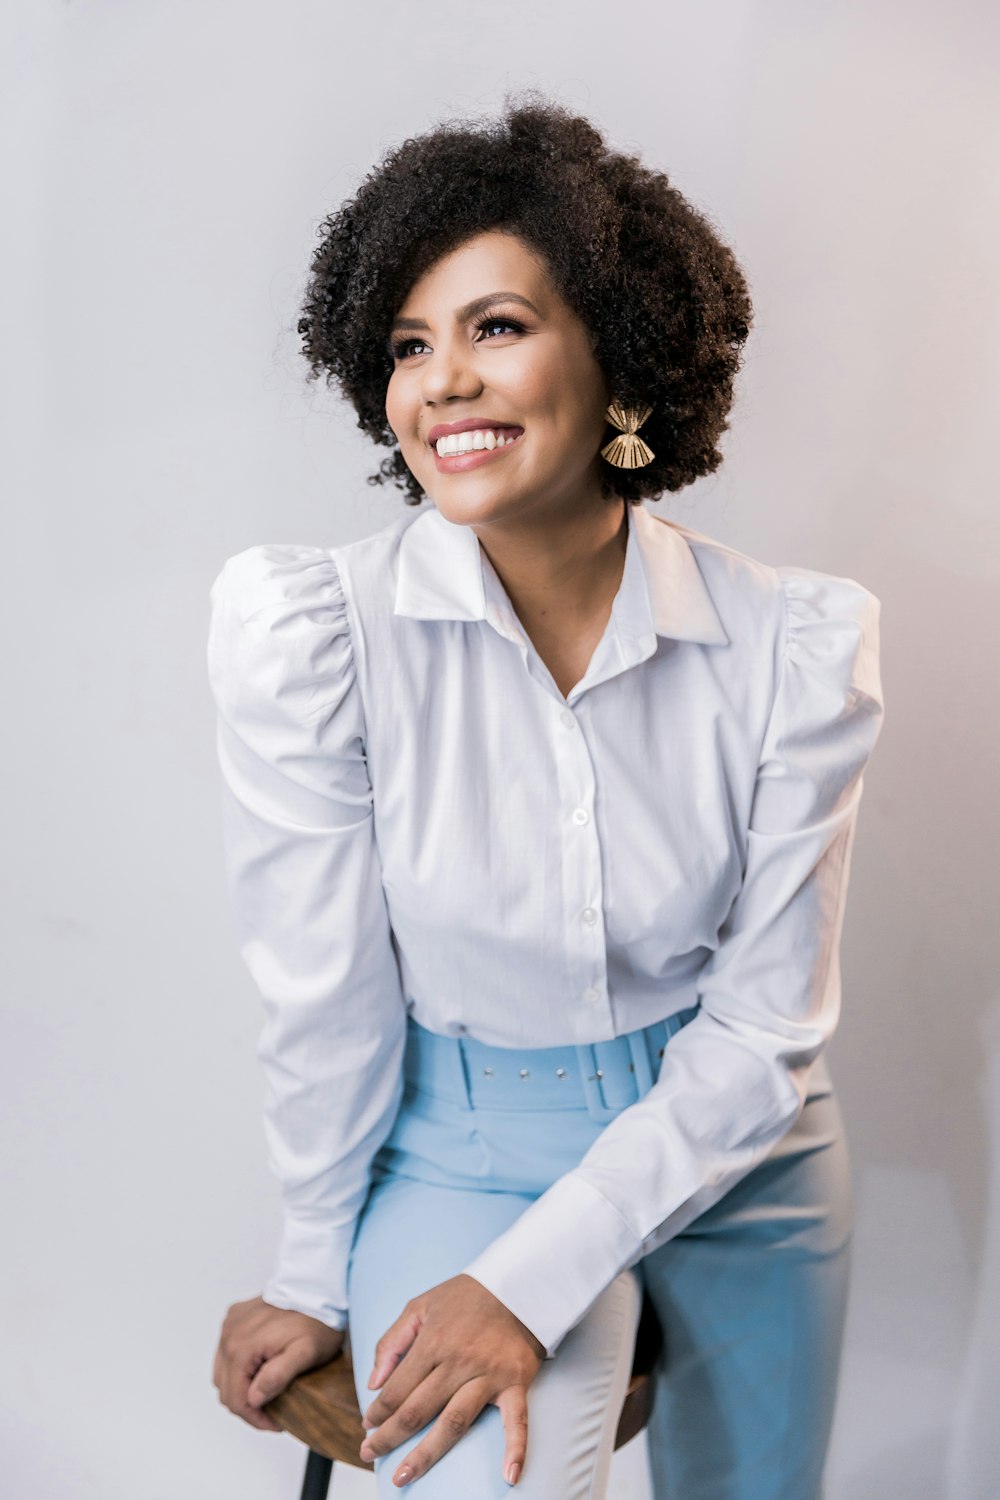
x=663, y=298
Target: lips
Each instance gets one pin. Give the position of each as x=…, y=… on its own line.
x=444, y=429
x=474, y=458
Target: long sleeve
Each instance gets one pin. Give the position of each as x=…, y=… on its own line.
x=733, y=1080
x=310, y=911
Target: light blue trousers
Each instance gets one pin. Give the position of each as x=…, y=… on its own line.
x=751, y=1296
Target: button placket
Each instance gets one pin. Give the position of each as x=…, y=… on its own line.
x=582, y=872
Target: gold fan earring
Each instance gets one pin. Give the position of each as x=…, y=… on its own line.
x=627, y=450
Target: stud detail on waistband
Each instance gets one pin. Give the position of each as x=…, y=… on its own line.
x=560, y=1072
x=488, y=1072
x=525, y=1073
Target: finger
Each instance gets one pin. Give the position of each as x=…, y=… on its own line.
x=392, y=1346
x=251, y=1415
x=405, y=1379
x=453, y=1423
x=258, y=1419
x=416, y=1394
x=237, y=1373
x=278, y=1372
x=239, y=1366
x=513, y=1404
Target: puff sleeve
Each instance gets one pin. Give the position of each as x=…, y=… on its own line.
x=306, y=892
x=733, y=1080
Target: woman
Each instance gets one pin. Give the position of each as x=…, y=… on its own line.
x=539, y=812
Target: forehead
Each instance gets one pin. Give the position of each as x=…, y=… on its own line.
x=486, y=262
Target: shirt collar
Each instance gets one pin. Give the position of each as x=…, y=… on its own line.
x=444, y=574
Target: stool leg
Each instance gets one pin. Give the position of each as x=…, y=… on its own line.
x=316, y=1480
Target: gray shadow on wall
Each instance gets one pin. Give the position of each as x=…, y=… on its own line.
x=915, y=1060
x=973, y=1466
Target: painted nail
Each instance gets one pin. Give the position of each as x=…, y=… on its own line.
x=403, y=1475
x=513, y=1473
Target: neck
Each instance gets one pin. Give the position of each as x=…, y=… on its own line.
x=561, y=567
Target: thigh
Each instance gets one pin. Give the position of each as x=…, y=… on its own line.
x=413, y=1234
x=752, y=1298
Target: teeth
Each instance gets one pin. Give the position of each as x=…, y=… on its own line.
x=468, y=442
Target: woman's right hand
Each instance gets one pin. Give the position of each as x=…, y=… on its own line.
x=261, y=1350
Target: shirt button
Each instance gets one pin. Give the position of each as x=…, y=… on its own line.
x=589, y=915
x=568, y=717
x=591, y=993
x=581, y=815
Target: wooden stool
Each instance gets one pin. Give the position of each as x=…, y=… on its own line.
x=320, y=1408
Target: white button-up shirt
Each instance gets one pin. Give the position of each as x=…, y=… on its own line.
x=417, y=820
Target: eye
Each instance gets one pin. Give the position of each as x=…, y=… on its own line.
x=400, y=349
x=500, y=323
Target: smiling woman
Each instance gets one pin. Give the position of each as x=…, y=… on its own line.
x=538, y=814
x=662, y=304
x=503, y=378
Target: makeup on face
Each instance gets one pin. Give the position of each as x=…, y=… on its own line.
x=491, y=367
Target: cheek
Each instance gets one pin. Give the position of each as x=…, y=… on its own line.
x=397, y=412
x=562, y=387
x=534, y=387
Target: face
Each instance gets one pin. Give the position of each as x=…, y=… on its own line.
x=484, y=342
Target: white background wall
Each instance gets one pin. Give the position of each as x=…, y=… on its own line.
x=167, y=164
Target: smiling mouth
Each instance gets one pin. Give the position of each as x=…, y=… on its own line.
x=472, y=457
x=474, y=440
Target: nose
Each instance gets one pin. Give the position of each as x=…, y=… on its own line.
x=449, y=373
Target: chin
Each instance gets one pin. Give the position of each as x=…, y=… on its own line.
x=466, y=502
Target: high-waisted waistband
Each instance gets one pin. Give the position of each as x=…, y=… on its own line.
x=601, y=1077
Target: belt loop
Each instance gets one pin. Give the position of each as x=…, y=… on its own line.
x=463, y=1070
x=644, y=1074
x=597, y=1108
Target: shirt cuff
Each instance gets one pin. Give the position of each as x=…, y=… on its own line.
x=310, y=1273
x=559, y=1289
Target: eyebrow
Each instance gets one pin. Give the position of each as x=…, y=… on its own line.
x=470, y=309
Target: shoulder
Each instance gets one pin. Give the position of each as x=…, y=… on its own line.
x=829, y=708
x=278, y=638
x=833, y=629
x=275, y=575
x=824, y=623
x=290, y=575
x=289, y=619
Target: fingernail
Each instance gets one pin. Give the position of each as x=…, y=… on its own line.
x=403, y=1475
x=513, y=1473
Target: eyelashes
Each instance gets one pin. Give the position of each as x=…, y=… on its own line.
x=398, y=348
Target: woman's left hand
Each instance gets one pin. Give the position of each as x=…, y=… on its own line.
x=464, y=1350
